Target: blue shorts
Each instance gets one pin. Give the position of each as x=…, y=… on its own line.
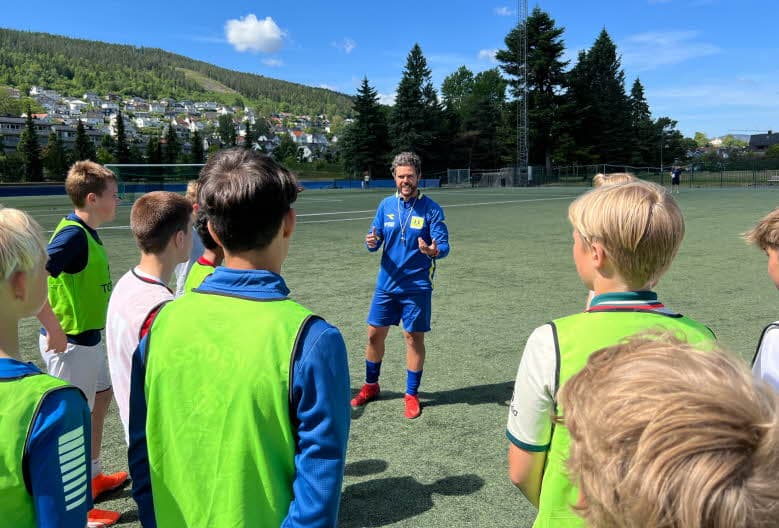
x=413, y=308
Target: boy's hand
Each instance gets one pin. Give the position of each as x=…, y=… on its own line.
x=431, y=250
x=371, y=239
x=56, y=341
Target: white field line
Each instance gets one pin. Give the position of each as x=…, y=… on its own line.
x=445, y=206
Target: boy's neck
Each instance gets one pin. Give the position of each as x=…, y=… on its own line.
x=89, y=218
x=9, y=337
x=160, y=266
x=254, y=260
x=211, y=256
x=603, y=285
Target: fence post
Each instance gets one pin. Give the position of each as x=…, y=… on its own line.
x=721, y=174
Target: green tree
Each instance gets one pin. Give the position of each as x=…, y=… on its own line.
x=84, y=148
x=198, y=156
x=55, y=158
x=153, y=151
x=733, y=143
x=227, y=130
x=172, y=146
x=413, y=120
x=249, y=138
x=701, y=140
x=456, y=88
x=121, y=150
x=772, y=152
x=641, y=126
x=544, y=79
x=286, y=149
x=105, y=155
x=261, y=127
x=30, y=150
x=366, y=144
x=481, y=118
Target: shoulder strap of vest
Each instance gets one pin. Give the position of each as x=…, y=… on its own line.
x=297, y=349
x=760, y=341
x=25, y=455
x=149, y=319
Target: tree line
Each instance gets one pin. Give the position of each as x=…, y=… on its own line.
x=578, y=114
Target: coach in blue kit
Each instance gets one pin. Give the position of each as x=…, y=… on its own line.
x=411, y=227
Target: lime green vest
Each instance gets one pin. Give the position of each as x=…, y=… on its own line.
x=197, y=274
x=80, y=300
x=20, y=399
x=220, y=439
x=577, y=337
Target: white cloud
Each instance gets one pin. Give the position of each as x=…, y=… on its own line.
x=653, y=49
x=387, y=99
x=504, y=11
x=251, y=34
x=348, y=45
x=273, y=63
x=488, y=55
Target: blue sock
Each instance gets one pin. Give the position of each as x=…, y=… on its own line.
x=413, y=379
x=372, y=371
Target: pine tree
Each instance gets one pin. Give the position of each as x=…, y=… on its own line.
x=30, y=150
x=121, y=150
x=544, y=79
x=55, y=158
x=153, y=151
x=172, y=146
x=198, y=156
x=227, y=130
x=366, y=143
x=249, y=138
x=286, y=150
x=84, y=148
x=641, y=126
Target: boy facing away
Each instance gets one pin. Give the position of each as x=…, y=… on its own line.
x=625, y=237
x=240, y=396
x=765, y=235
x=79, y=287
x=44, y=421
x=212, y=256
x=686, y=437
x=161, y=225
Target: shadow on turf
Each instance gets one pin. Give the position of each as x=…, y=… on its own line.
x=499, y=393
x=389, y=500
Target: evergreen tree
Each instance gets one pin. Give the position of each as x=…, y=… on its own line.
x=249, y=138
x=414, y=117
x=481, y=118
x=172, y=146
x=366, y=143
x=84, y=148
x=153, y=151
x=227, y=130
x=121, y=150
x=641, y=126
x=30, y=150
x=55, y=158
x=261, y=127
x=286, y=150
x=544, y=80
x=198, y=156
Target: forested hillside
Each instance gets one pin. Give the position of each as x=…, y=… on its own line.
x=74, y=66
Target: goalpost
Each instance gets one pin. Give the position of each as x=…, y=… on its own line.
x=135, y=179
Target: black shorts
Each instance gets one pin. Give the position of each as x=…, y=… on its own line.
x=675, y=180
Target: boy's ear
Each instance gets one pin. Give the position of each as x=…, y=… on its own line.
x=288, y=226
x=18, y=283
x=598, y=255
x=213, y=234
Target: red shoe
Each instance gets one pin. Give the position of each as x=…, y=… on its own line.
x=412, y=406
x=368, y=392
x=100, y=518
x=103, y=483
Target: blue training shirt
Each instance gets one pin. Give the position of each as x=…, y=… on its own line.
x=60, y=412
x=68, y=252
x=320, y=395
x=398, y=225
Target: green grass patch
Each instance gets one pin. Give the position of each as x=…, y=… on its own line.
x=510, y=270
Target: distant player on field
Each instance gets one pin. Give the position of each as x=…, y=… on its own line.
x=240, y=396
x=676, y=178
x=79, y=287
x=212, y=256
x=160, y=222
x=44, y=421
x=411, y=227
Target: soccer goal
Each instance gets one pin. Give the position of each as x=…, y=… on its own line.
x=138, y=179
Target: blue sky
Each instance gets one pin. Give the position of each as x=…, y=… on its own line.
x=710, y=64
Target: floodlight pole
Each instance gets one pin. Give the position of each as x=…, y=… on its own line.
x=522, y=120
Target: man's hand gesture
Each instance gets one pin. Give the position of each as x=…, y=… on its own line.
x=431, y=250
x=371, y=240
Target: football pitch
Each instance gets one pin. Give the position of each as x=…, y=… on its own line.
x=509, y=270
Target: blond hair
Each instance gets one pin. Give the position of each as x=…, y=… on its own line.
x=614, y=178
x=766, y=233
x=22, y=247
x=638, y=224
x=191, y=193
x=85, y=177
x=666, y=435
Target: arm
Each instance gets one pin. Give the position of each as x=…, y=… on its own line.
x=529, y=427
x=439, y=232
x=375, y=236
x=137, y=453
x=56, y=339
x=321, y=398
x=57, y=460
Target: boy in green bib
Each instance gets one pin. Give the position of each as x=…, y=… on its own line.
x=212, y=256
x=239, y=398
x=624, y=238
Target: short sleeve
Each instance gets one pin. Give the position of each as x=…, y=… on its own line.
x=530, y=412
x=766, y=364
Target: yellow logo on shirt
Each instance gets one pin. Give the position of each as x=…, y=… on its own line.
x=391, y=216
x=417, y=222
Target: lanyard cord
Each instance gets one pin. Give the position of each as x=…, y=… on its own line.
x=400, y=218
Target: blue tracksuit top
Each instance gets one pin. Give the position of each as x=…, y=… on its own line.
x=403, y=267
